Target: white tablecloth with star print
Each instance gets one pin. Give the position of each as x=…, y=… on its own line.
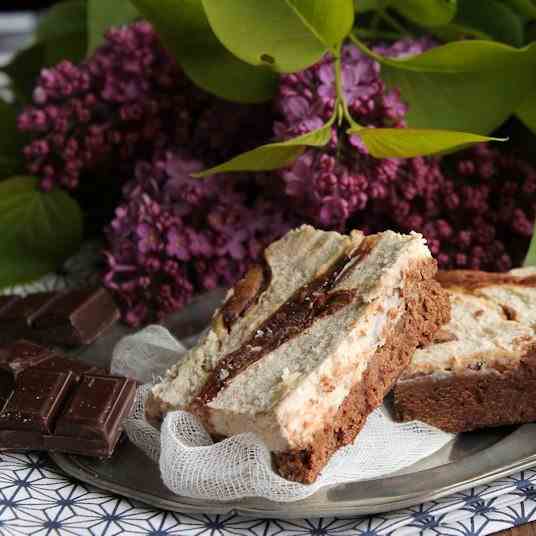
x=37, y=499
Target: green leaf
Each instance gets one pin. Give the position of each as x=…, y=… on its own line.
x=64, y=32
x=60, y=35
x=492, y=17
x=287, y=35
x=185, y=31
x=466, y=85
x=24, y=69
x=273, y=155
x=527, y=112
x=11, y=141
x=102, y=14
x=527, y=8
x=455, y=32
x=39, y=230
x=530, y=259
x=426, y=12
x=410, y=142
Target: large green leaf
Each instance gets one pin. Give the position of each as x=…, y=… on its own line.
x=24, y=69
x=426, y=12
x=467, y=85
x=60, y=35
x=410, y=142
x=63, y=29
x=527, y=111
x=11, y=142
x=39, y=230
x=530, y=259
x=101, y=14
x=527, y=8
x=185, y=31
x=492, y=17
x=287, y=35
x=273, y=155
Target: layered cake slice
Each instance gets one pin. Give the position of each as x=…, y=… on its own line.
x=308, y=343
x=480, y=371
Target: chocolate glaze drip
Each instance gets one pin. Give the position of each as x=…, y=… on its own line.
x=312, y=301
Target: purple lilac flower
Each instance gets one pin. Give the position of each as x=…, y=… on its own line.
x=127, y=100
x=173, y=235
x=329, y=185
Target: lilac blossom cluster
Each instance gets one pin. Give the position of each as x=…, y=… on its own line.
x=476, y=208
x=126, y=101
x=328, y=185
x=174, y=235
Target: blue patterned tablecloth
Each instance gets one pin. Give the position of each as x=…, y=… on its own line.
x=39, y=500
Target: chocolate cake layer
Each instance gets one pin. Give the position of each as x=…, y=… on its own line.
x=481, y=371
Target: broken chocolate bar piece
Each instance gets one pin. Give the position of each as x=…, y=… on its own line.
x=76, y=317
x=15, y=358
x=64, y=405
x=66, y=318
x=17, y=315
x=91, y=421
x=33, y=407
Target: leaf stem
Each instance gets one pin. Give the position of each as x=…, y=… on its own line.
x=341, y=100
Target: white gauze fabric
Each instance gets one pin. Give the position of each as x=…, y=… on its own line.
x=192, y=465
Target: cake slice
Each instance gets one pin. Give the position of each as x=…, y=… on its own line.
x=480, y=371
x=308, y=343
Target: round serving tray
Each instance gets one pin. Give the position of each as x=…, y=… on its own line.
x=469, y=460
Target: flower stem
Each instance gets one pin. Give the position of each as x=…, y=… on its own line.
x=341, y=100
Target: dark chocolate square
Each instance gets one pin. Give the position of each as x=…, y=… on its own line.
x=22, y=312
x=36, y=400
x=91, y=422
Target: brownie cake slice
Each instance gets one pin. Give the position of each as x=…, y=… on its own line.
x=308, y=343
x=480, y=371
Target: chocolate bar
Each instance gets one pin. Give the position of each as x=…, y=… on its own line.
x=91, y=422
x=65, y=318
x=60, y=404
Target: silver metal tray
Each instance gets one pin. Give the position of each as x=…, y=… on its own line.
x=469, y=460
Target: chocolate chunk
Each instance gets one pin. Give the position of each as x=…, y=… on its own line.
x=36, y=401
x=7, y=301
x=76, y=317
x=15, y=358
x=57, y=403
x=59, y=363
x=91, y=421
x=69, y=318
x=22, y=312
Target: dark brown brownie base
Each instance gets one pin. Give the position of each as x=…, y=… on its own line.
x=427, y=308
x=472, y=400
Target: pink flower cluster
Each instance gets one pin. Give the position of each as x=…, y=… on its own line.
x=476, y=208
x=127, y=100
x=174, y=235
x=330, y=184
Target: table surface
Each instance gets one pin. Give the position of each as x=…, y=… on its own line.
x=524, y=530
